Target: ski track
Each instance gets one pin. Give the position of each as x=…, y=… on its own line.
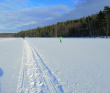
x=35, y=76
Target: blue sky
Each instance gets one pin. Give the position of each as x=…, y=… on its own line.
x=50, y=2
x=17, y=15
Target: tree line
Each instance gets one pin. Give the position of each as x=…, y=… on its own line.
x=96, y=25
x=7, y=34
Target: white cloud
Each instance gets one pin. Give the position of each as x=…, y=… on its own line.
x=13, y=4
x=49, y=18
x=28, y=23
x=27, y=18
x=85, y=8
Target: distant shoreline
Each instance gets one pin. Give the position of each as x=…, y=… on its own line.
x=7, y=34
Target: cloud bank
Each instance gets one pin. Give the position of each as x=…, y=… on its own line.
x=19, y=17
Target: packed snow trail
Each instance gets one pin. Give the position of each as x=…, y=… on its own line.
x=35, y=76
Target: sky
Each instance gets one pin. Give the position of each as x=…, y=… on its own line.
x=18, y=15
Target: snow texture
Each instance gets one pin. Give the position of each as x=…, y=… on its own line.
x=35, y=76
x=44, y=65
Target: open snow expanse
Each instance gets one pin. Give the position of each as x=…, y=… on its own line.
x=44, y=65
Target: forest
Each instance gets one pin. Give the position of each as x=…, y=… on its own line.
x=95, y=25
x=7, y=34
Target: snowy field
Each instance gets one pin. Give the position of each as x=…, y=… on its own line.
x=44, y=65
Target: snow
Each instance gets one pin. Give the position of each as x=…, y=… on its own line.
x=35, y=76
x=44, y=65
x=10, y=62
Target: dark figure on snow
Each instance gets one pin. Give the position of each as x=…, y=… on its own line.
x=23, y=37
x=60, y=39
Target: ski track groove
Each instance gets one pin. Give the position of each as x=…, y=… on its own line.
x=35, y=76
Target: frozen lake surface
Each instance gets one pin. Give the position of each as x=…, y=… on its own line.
x=44, y=65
